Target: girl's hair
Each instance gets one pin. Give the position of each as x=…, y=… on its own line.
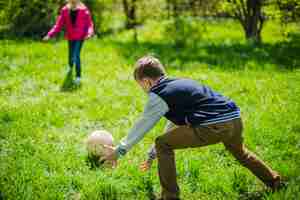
x=80, y=3
x=67, y=1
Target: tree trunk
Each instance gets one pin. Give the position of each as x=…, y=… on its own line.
x=169, y=8
x=249, y=13
x=130, y=12
x=254, y=21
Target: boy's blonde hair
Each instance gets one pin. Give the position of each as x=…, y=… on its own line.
x=148, y=67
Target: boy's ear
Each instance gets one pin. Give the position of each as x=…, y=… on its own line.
x=145, y=80
x=142, y=80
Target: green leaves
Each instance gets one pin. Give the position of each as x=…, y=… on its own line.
x=30, y=18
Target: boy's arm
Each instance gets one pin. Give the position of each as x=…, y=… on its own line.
x=154, y=110
x=151, y=153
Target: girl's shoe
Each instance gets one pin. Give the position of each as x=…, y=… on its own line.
x=77, y=81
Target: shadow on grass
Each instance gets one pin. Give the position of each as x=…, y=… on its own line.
x=68, y=84
x=258, y=195
x=262, y=194
x=284, y=55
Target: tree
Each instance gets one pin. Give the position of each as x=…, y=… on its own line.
x=289, y=10
x=250, y=15
x=183, y=26
x=192, y=7
x=2, y=13
x=96, y=8
x=130, y=8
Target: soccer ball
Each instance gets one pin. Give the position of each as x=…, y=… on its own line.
x=96, y=143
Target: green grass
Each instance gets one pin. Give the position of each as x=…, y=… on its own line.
x=43, y=126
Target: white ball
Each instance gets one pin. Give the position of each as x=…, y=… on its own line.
x=96, y=142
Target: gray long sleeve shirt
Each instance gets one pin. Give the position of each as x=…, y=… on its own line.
x=154, y=110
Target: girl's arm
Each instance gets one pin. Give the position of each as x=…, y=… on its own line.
x=58, y=25
x=90, y=24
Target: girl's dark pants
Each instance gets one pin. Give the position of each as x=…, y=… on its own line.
x=74, y=55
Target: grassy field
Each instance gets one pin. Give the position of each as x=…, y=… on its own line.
x=43, y=125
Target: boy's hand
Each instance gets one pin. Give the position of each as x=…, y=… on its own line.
x=112, y=156
x=146, y=165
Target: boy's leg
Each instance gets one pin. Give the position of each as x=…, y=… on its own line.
x=179, y=138
x=248, y=159
x=78, y=46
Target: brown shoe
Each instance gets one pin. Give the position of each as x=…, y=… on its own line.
x=277, y=184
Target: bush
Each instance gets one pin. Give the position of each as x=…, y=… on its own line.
x=33, y=18
x=29, y=17
x=185, y=31
x=96, y=8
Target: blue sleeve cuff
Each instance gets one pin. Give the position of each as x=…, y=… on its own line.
x=121, y=151
x=152, y=153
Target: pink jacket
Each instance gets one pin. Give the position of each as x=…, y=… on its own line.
x=83, y=28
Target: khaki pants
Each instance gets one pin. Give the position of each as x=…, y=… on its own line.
x=181, y=137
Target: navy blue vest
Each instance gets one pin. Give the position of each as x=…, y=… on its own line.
x=191, y=103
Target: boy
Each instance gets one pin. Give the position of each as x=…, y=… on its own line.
x=201, y=117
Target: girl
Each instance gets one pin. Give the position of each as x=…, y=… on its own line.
x=76, y=19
